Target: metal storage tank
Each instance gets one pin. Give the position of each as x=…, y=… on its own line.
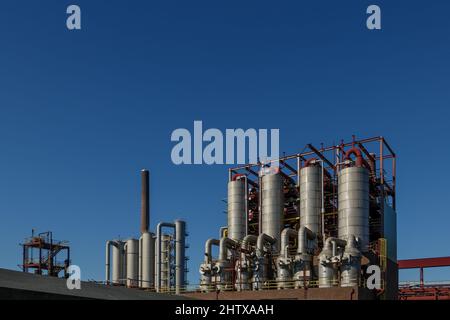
x=132, y=251
x=311, y=198
x=147, y=263
x=353, y=203
x=236, y=210
x=272, y=206
x=118, y=262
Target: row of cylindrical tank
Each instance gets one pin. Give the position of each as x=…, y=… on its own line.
x=253, y=254
x=147, y=262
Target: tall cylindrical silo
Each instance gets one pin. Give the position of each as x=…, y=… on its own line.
x=353, y=203
x=147, y=263
x=132, y=251
x=236, y=210
x=272, y=206
x=118, y=262
x=311, y=198
x=180, y=255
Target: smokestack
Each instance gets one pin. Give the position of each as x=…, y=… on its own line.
x=145, y=215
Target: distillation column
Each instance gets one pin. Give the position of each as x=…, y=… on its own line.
x=353, y=200
x=237, y=215
x=272, y=207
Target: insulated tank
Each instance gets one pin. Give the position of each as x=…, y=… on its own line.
x=353, y=202
x=272, y=206
x=118, y=262
x=147, y=263
x=311, y=198
x=236, y=210
x=132, y=251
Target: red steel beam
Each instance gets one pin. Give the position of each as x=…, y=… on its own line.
x=424, y=263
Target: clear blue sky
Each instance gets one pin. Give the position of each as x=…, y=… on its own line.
x=82, y=112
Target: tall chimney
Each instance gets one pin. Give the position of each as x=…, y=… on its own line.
x=145, y=215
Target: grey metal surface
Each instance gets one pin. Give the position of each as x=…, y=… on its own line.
x=272, y=206
x=353, y=203
x=208, y=249
x=306, y=243
x=285, y=261
x=236, y=210
x=132, y=250
x=180, y=255
x=118, y=262
x=20, y=285
x=351, y=266
x=147, y=263
x=311, y=198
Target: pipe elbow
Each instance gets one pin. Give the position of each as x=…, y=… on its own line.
x=356, y=152
x=286, y=235
x=309, y=162
x=208, y=248
x=262, y=239
x=304, y=234
x=248, y=240
x=224, y=245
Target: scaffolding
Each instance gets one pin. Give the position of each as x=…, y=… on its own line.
x=41, y=252
x=379, y=157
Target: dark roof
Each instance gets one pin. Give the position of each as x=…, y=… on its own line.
x=20, y=285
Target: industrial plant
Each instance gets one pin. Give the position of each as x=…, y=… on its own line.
x=317, y=220
x=320, y=224
x=156, y=262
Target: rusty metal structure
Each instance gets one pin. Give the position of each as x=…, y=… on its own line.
x=338, y=199
x=423, y=290
x=41, y=253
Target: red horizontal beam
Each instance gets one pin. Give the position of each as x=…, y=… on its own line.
x=424, y=263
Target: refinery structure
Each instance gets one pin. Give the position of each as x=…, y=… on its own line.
x=153, y=262
x=321, y=224
x=318, y=220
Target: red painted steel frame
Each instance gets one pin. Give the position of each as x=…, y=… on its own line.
x=424, y=263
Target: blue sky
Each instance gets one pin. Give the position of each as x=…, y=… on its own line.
x=82, y=112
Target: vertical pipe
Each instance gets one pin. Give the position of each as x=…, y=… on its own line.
x=298, y=186
x=260, y=201
x=108, y=262
x=382, y=186
x=323, y=202
x=145, y=213
x=140, y=263
x=421, y=278
x=180, y=255
x=394, y=182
